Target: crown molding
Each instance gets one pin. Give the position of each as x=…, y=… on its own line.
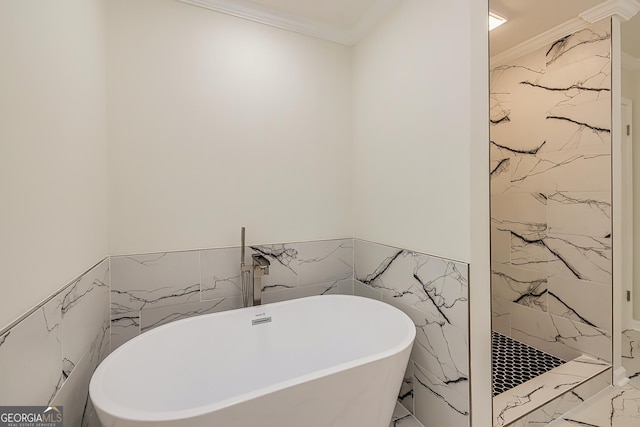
x=630, y=63
x=623, y=9
x=270, y=16
x=543, y=39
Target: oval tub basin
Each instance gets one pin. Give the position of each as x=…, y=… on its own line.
x=332, y=360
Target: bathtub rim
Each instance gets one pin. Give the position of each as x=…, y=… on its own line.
x=114, y=409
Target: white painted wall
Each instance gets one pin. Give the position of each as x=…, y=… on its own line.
x=216, y=122
x=53, y=170
x=411, y=129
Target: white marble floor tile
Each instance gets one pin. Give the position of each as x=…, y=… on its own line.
x=631, y=355
x=618, y=406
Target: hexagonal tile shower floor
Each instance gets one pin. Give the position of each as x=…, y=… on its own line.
x=514, y=363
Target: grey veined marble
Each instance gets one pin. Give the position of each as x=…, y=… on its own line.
x=550, y=173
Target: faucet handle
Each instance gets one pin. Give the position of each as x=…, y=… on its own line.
x=260, y=261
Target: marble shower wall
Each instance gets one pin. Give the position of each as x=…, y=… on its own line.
x=48, y=358
x=551, y=196
x=433, y=292
x=154, y=289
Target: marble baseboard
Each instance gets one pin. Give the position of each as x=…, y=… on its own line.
x=60, y=344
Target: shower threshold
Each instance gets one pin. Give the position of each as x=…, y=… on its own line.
x=519, y=400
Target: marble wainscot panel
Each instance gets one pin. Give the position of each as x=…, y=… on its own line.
x=430, y=284
x=438, y=403
x=433, y=292
x=551, y=202
x=85, y=318
x=60, y=344
x=151, y=290
x=533, y=394
x=143, y=282
x=220, y=273
x=295, y=265
x=33, y=346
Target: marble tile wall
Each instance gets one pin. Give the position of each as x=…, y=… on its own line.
x=433, y=292
x=63, y=342
x=48, y=358
x=153, y=289
x=551, y=196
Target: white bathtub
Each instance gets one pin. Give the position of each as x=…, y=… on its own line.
x=332, y=360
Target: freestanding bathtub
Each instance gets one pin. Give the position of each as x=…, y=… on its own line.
x=332, y=360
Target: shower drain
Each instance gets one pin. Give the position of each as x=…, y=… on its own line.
x=514, y=363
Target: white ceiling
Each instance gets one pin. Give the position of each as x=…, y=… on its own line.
x=343, y=14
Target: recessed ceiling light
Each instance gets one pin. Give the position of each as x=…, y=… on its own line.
x=495, y=20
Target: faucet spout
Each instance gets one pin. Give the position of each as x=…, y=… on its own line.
x=260, y=268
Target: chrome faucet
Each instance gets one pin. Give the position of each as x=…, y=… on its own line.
x=260, y=268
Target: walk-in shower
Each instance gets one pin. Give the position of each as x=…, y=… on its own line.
x=550, y=171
